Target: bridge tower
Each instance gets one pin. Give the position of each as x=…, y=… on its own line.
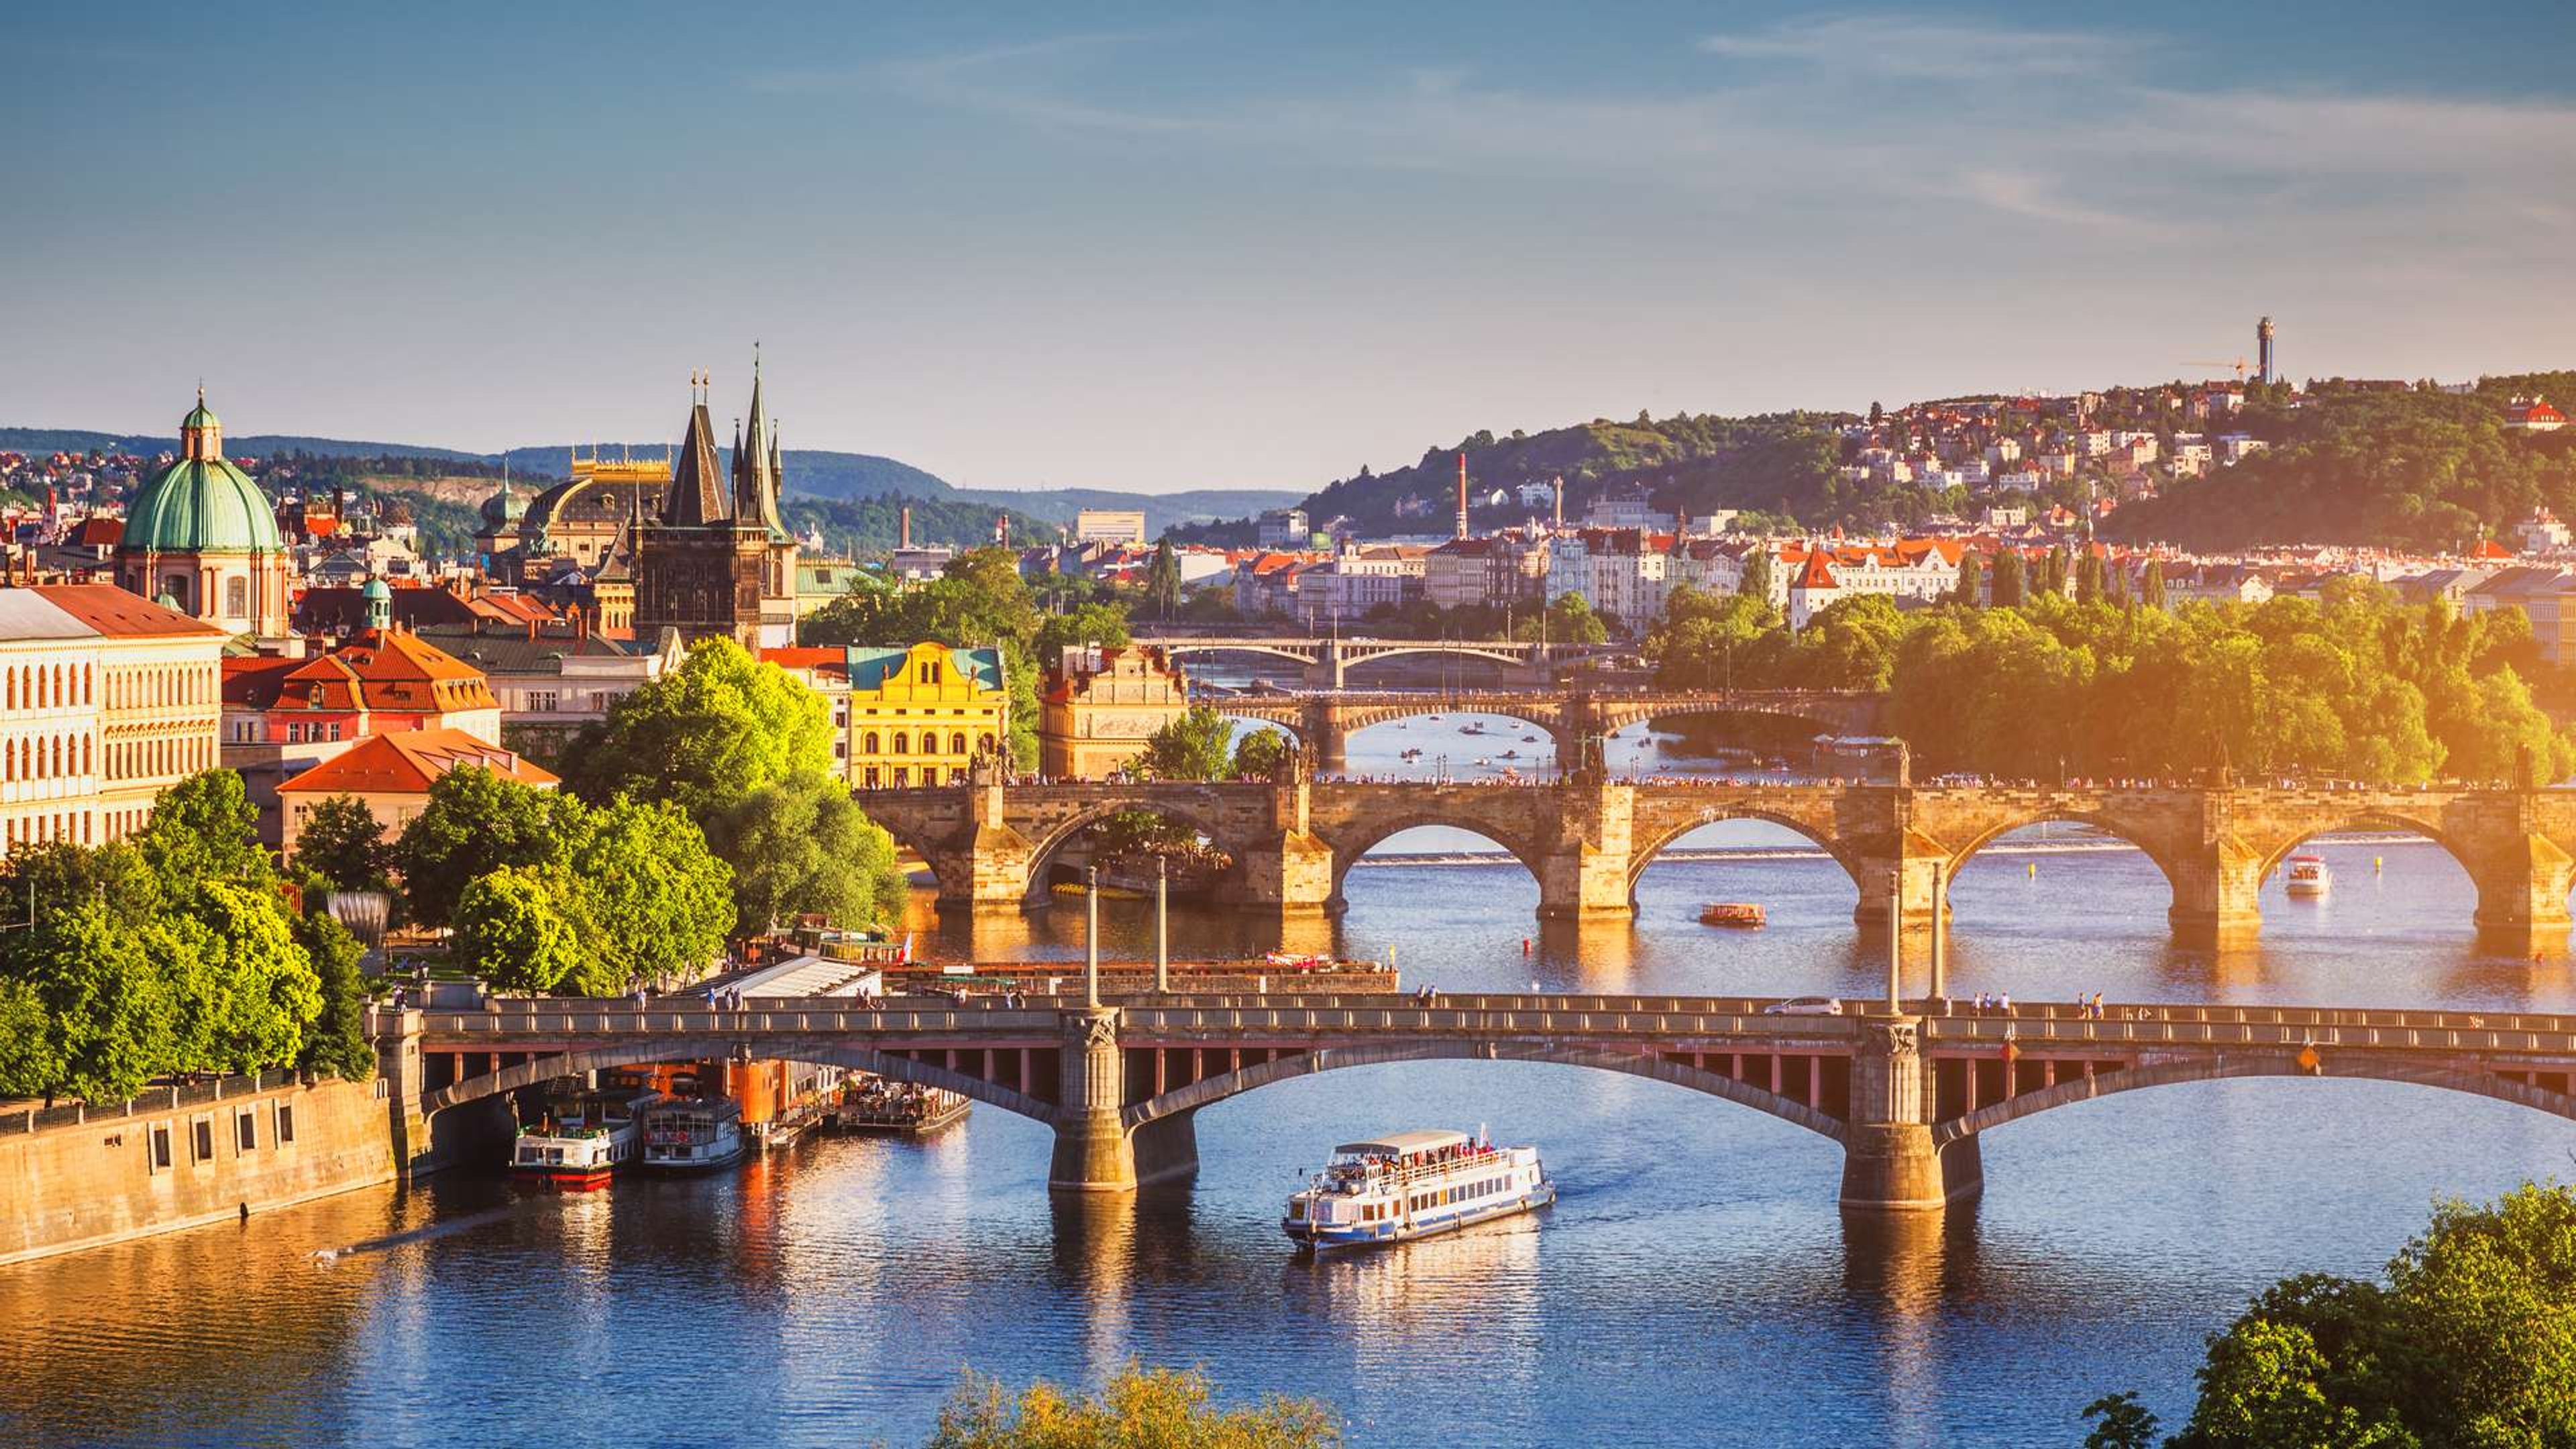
x=1891, y=1162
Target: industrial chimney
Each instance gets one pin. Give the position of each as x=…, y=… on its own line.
x=1560, y=502
x=2263, y=349
x=903, y=539
x=1462, y=495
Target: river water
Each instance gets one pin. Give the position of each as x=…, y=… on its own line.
x=1695, y=1284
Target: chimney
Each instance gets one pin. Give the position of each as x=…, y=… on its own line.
x=1560, y=500
x=1462, y=495
x=904, y=539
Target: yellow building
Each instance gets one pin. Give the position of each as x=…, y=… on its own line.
x=919, y=716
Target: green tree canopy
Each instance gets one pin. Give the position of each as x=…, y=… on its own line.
x=205, y=828
x=710, y=732
x=1198, y=745
x=803, y=847
x=343, y=843
x=516, y=928
x=477, y=822
x=658, y=900
x=336, y=1042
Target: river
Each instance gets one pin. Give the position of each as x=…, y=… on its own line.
x=1695, y=1284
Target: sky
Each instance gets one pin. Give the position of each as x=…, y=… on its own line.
x=1249, y=246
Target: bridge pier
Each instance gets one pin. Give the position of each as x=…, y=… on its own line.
x=1095, y=1150
x=1922, y=895
x=2522, y=898
x=1891, y=1163
x=1585, y=875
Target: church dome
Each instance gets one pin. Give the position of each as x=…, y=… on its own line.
x=504, y=506
x=201, y=503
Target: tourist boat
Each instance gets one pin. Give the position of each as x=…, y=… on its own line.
x=582, y=1138
x=693, y=1134
x=2309, y=876
x=1511, y=754
x=1410, y=1185
x=1732, y=913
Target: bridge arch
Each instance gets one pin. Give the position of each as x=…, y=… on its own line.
x=1325, y=1059
x=2374, y=819
x=2475, y=1081
x=1293, y=653
x=2109, y=824
x=1644, y=854
x=1201, y=816
x=719, y=1045
x=1350, y=846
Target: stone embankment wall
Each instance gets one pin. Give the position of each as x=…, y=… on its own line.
x=83, y=1177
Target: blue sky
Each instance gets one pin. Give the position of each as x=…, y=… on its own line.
x=1128, y=246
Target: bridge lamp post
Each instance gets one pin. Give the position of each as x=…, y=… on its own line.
x=1896, y=941
x=1940, y=955
x=1091, y=936
x=1162, y=924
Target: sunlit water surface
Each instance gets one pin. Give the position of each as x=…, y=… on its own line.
x=1695, y=1285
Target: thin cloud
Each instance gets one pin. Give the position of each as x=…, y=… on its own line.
x=1918, y=48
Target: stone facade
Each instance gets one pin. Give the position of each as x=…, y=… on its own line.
x=1101, y=705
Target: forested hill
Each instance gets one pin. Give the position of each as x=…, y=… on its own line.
x=2414, y=469
x=1780, y=464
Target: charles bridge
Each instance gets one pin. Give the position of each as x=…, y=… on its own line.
x=1907, y=1092
x=1586, y=838
x=1324, y=721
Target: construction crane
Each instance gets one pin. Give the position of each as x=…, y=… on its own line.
x=2239, y=364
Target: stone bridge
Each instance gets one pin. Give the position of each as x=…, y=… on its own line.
x=1327, y=661
x=1586, y=840
x=1325, y=721
x=1905, y=1092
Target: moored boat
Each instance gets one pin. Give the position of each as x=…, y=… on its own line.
x=1732, y=913
x=1408, y=1185
x=582, y=1139
x=2309, y=876
x=693, y=1134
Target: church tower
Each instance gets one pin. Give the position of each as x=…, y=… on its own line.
x=699, y=563
x=757, y=482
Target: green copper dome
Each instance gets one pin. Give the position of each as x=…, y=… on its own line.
x=200, y=505
x=200, y=416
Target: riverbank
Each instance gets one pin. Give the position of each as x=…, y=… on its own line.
x=181, y=1157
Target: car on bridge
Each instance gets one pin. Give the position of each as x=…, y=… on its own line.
x=1805, y=1006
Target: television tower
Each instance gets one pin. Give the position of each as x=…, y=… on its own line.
x=2263, y=350
x=1462, y=495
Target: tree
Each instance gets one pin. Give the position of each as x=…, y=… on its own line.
x=1138, y=1406
x=2088, y=578
x=2126, y=1423
x=344, y=844
x=253, y=987
x=710, y=732
x=1199, y=745
x=803, y=847
x=1259, y=755
x=104, y=1004
x=336, y=1043
x=205, y=828
x=1083, y=624
x=477, y=822
x=2473, y=1341
x=660, y=902
x=1756, y=582
x=1163, y=579
x=1971, y=588
x=2151, y=585
x=1569, y=620
x=2052, y=573
x=2007, y=590
x=515, y=929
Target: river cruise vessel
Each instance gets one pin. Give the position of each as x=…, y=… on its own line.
x=693, y=1134
x=1732, y=913
x=1410, y=1185
x=2308, y=876
x=582, y=1138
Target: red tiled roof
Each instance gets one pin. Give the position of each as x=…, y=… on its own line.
x=408, y=762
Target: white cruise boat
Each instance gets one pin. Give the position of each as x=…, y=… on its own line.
x=693, y=1135
x=1413, y=1184
x=2308, y=876
x=583, y=1138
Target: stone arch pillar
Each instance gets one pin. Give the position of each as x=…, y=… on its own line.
x=2522, y=895
x=1891, y=1164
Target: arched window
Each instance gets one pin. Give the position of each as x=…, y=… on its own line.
x=902, y=745
x=868, y=743
x=988, y=740
x=957, y=743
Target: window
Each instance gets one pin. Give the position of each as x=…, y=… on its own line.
x=902, y=776
x=285, y=1123
x=160, y=1147
x=236, y=597
x=245, y=1131
x=868, y=743
x=957, y=743
x=872, y=777
x=203, y=1131
x=902, y=744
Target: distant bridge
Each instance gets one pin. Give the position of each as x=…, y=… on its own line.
x=1324, y=721
x=1906, y=1094
x=1586, y=840
x=1327, y=661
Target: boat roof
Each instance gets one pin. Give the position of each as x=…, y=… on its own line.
x=1400, y=1144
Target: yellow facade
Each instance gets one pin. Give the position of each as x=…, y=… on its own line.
x=919, y=716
